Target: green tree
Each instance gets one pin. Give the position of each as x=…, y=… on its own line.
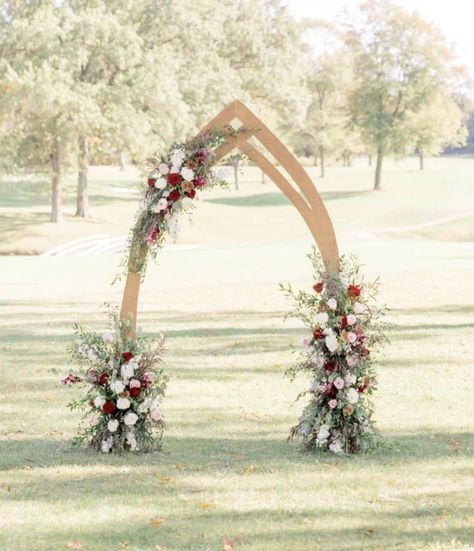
x=400, y=62
x=438, y=125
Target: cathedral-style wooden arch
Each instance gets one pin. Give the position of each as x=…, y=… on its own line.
x=306, y=200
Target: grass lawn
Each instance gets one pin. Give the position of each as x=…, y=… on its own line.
x=226, y=473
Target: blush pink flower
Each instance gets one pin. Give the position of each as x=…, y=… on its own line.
x=339, y=383
x=332, y=404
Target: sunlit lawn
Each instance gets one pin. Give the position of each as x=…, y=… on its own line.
x=226, y=470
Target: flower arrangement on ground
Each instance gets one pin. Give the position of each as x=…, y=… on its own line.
x=346, y=325
x=124, y=386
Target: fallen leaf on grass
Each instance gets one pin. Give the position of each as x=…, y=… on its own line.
x=156, y=521
x=75, y=545
x=166, y=479
x=204, y=505
x=230, y=543
x=369, y=530
x=5, y=486
x=248, y=469
x=454, y=445
x=123, y=544
x=178, y=466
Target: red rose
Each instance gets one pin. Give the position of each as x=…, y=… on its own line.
x=330, y=366
x=191, y=193
x=353, y=291
x=344, y=322
x=108, y=408
x=135, y=391
x=151, y=182
x=103, y=379
x=174, y=196
x=174, y=178
x=318, y=334
x=127, y=356
x=318, y=287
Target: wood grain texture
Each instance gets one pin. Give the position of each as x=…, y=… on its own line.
x=304, y=196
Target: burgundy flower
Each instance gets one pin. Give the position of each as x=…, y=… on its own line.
x=108, y=408
x=152, y=237
x=174, y=196
x=318, y=334
x=330, y=366
x=127, y=356
x=353, y=291
x=135, y=391
x=151, y=182
x=199, y=181
x=191, y=193
x=344, y=322
x=318, y=287
x=103, y=379
x=174, y=178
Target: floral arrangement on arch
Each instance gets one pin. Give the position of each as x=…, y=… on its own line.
x=345, y=326
x=173, y=185
x=124, y=386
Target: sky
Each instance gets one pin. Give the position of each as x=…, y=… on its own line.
x=455, y=18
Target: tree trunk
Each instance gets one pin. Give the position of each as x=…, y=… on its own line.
x=422, y=160
x=322, y=171
x=235, y=164
x=122, y=161
x=370, y=159
x=56, y=207
x=264, y=181
x=82, y=209
x=378, y=170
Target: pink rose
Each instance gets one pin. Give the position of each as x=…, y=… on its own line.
x=352, y=361
x=351, y=337
x=332, y=404
x=306, y=342
x=339, y=383
x=156, y=415
x=134, y=383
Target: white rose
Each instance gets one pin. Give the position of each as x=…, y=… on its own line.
x=352, y=396
x=335, y=447
x=351, y=319
x=108, y=337
x=131, y=440
x=322, y=318
x=94, y=421
x=130, y=419
x=351, y=379
x=105, y=446
x=117, y=387
x=187, y=173
x=332, y=303
x=161, y=183
x=99, y=401
x=127, y=370
x=332, y=404
x=323, y=433
x=161, y=205
x=134, y=383
x=331, y=343
x=112, y=425
x=187, y=202
x=123, y=403
x=163, y=168
x=359, y=308
x=339, y=383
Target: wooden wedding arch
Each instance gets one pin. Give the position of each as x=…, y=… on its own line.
x=307, y=200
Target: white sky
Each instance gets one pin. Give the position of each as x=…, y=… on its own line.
x=455, y=18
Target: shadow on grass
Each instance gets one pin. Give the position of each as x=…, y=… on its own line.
x=213, y=455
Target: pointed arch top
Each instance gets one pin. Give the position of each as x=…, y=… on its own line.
x=304, y=196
